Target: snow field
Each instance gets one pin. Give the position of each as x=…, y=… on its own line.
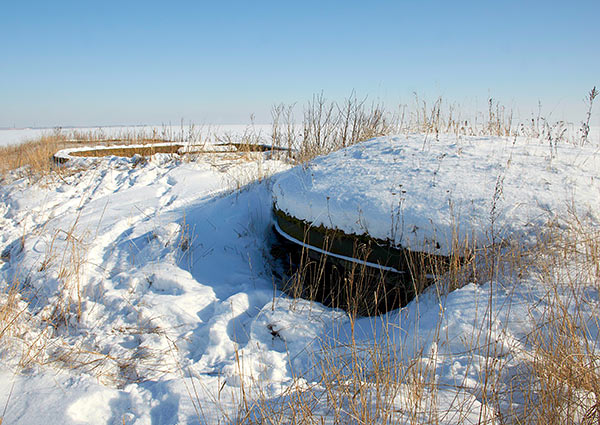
x=135, y=232
x=183, y=132
x=147, y=294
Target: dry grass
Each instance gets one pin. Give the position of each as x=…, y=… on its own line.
x=328, y=126
x=36, y=155
x=11, y=311
x=325, y=126
x=35, y=158
x=563, y=363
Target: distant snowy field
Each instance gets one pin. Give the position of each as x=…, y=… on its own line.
x=16, y=136
x=148, y=295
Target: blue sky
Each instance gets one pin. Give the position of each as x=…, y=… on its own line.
x=100, y=63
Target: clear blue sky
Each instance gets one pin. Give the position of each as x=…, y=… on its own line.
x=129, y=62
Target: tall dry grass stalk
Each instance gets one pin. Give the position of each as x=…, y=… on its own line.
x=563, y=362
x=585, y=127
x=327, y=125
x=11, y=310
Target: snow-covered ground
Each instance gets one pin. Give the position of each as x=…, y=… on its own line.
x=146, y=295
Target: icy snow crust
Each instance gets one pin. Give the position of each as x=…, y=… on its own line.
x=420, y=193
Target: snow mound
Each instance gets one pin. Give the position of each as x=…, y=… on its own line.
x=422, y=193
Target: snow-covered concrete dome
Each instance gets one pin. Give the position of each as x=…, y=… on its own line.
x=421, y=193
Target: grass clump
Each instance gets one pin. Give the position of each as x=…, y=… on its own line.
x=33, y=157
